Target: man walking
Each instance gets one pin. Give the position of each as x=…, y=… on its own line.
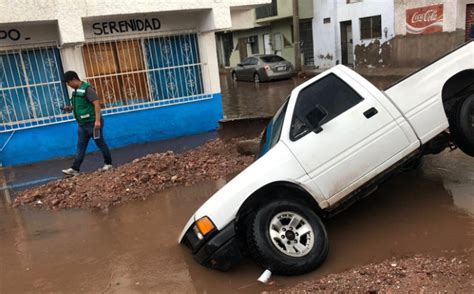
x=85, y=106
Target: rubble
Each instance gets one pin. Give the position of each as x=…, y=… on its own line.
x=139, y=179
x=248, y=147
x=414, y=274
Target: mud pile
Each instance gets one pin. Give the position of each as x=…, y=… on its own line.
x=140, y=178
x=417, y=274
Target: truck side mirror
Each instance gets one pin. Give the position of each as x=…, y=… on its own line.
x=239, y=64
x=316, y=117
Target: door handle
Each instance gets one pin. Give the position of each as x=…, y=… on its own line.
x=370, y=112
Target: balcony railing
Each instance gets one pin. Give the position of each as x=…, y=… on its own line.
x=267, y=10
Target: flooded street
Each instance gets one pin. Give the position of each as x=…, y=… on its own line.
x=133, y=247
x=243, y=99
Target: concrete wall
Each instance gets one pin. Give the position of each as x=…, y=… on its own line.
x=327, y=36
x=412, y=51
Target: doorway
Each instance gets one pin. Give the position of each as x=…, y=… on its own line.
x=347, y=52
x=242, y=45
x=267, y=44
x=306, y=36
x=228, y=46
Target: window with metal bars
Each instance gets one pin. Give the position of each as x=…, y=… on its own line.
x=137, y=72
x=31, y=91
x=268, y=10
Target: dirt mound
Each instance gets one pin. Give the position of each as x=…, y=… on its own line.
x=418, y=274
x=140, y=178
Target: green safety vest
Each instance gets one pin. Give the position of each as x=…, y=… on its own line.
x=84, y=111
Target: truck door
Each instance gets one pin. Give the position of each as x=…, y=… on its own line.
x=357, y=136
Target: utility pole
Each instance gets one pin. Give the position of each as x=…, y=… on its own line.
x=296, y=35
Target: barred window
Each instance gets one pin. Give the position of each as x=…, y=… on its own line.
x=129, y=72
x=31, y=91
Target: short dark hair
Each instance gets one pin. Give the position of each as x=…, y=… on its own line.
x=70, y=75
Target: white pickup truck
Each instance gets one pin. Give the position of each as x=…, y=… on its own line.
x=334, y=140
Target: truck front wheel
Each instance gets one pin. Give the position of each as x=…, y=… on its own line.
x=287, y=237
x=462, y=125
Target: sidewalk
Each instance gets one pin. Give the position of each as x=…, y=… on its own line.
x=25, y=176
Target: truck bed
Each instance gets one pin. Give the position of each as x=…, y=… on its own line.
x=419, y=95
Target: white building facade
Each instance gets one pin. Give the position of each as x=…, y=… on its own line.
x=154, y=65
x=340, y=25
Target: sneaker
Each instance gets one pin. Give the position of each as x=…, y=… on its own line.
x=106, y=167
x=71, y=172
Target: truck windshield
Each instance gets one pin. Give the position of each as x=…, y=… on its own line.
x=272, y=133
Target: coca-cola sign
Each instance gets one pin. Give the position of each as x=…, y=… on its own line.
x=423, y=20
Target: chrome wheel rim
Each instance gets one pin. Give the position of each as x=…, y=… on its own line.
x=234, y=76
x=291, y=234
x=256, y=78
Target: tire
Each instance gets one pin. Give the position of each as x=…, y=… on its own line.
x=256, y=78
x=462, y=125
x=234, y=76
x=265, y=245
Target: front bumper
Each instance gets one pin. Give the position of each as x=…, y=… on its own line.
x=219, y=250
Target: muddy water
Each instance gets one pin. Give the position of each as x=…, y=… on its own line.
x=133, y=248
x=243, y=99
x=247, y=99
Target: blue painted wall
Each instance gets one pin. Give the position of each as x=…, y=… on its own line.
x=48, y=142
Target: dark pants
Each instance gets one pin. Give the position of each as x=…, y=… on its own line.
x=85, y=133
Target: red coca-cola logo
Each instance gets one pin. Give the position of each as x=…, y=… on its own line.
x=426, y=19
x=429, y=16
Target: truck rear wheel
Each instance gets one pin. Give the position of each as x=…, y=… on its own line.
x=287, y=237
x=462, y=125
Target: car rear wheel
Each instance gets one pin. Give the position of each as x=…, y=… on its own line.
x=256, y=77
x=287, y=237
x=462, y=125
x=234, y=76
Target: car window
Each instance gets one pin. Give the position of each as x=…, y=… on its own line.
x=272, y=132
x=272, y=58
x=246, y=61
x=253, y=61
x=330, y=92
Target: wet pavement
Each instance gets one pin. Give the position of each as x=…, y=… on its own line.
x=133, y=247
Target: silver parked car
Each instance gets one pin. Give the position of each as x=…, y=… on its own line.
x=259, y=68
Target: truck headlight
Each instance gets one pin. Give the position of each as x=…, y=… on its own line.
x=203, y=226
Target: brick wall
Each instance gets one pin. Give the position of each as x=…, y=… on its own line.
x=469, y=19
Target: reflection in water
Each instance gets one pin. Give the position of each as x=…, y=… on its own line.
x=456, y=171
x=4, y=191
